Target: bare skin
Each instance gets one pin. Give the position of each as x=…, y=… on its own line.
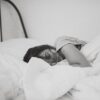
x=74, y=56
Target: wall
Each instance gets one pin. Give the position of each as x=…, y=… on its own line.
x=11, y=27
x=48, y=19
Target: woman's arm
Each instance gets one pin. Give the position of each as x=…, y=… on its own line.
x=74, y=56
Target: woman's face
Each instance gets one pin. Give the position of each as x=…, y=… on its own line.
x=50, y=56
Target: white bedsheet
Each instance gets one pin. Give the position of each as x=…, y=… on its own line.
x=11, y=72
x=89, y=88
x=12, y=68
x=10, y=77
x=49, y=82
x=13, y=84
x=55, y=82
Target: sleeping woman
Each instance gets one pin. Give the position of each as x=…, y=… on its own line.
x=46, y=52
x=66, y=48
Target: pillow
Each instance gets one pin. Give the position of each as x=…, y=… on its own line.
x=18, y=47
x=91, y=49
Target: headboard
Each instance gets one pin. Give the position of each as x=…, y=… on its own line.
x=19, y=15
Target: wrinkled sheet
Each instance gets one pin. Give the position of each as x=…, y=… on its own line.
x=20, y=81
x=55, y=83
x=11, y=78
x=13, y=85
x=43, y=82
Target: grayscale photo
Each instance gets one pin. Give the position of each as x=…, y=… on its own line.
x=49, y=49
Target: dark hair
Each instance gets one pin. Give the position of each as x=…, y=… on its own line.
x=35, y=51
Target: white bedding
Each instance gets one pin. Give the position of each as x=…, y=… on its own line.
x=10, y=78
x=49, y=82
x=12, y=70
x=54, y=82
x=12, y=67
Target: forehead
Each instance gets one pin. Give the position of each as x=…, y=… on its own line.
x=48, y=52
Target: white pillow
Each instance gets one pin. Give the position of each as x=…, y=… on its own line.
x=18, y=47
x=91, y=49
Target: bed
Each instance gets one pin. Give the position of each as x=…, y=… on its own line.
x=25, y=81
x=36, y=80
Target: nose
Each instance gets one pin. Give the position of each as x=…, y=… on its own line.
x=52, y=64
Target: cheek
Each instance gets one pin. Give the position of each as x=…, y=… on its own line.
x=51, y=62
x=48, y=61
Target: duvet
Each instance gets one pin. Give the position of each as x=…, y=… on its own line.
x=38, y=81
x=10, y=78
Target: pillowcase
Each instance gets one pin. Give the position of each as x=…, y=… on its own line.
x=91, y=49
x=18, y=47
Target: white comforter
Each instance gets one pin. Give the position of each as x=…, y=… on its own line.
x=38, y=81
x=13, y=86
x=53, y=83
x=11, y=77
